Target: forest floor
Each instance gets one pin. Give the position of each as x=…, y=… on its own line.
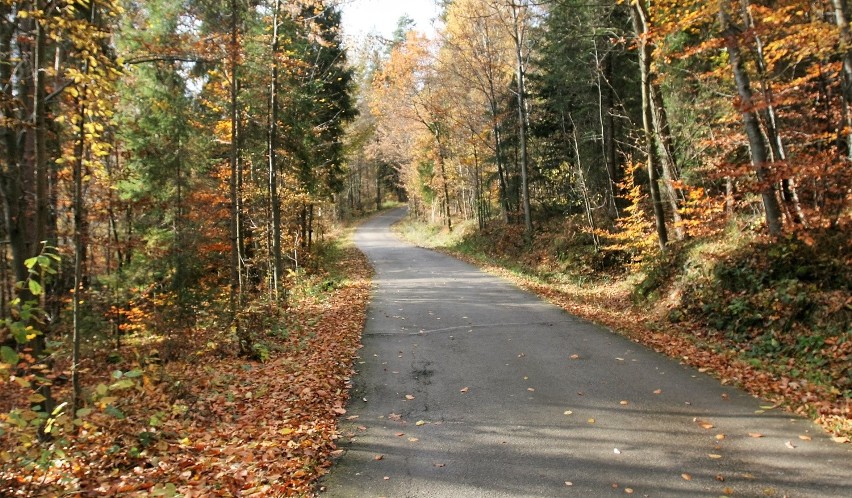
x=212, y=423
x=612, y=302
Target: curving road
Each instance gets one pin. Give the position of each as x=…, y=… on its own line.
x=470, y=387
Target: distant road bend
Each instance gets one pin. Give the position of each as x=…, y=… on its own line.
x=470, y=387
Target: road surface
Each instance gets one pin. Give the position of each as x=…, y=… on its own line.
x=470, y=387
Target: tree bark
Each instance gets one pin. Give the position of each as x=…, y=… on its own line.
x=759, y=153
x=235, y=273
x=660, y=121
x=841, y=18
x=647, y=126
x=274, y=201
x=520, y=76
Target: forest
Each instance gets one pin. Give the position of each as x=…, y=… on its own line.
x=177, y=177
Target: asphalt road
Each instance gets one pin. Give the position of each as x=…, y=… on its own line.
x=468, y=387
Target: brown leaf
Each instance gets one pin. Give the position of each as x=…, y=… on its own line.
x=790, y=445
x=686, y=477
x=440, y=465
x=378, y=457
x=704, y=424
x=624, y=403
x=658, y=391
x=400, y=434
x=629, y=491
x=805, y=438
x=395, y=417
x=714, y=456
x=755, y=434
x=720, y=437
x=840, y=439
x=575, y=357
x=409, y=397
x=464, y=389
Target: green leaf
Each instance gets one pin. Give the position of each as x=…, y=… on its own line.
x=84, y=412
x=133, y=373
x=167, y=490
x=8, y=355
x=35, y=287
x=117, y=374
x=115, y=412
x=101, y=390
x=30, y=263
x=36, y=398
x=122, y=384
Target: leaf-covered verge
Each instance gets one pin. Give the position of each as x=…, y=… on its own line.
x=209, y=423
x=773, y=319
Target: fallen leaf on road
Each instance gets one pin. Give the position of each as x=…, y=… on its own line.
x=413, y=440
x=628, y=491
x=440, y=465
x=624, y=403
x=569, y=483
x=400, y=434
x=755, y=434
x=386, y=478
x=531, y=389
x=616, y=451
x=720, y=437
x=419, y=423
x=353, y=417
x=658, y=391
x=575, y=357
x=568, y=412
x=591, y=421
x=409, y=397
x=805, y=438
x=378, y=457
x=686, y=477
x=790, y=445
x=337, y=453
x=395, y=417
x=362, y=428
x=464, y=389
x=704, y=424
x=840, y=439
x=714, y=456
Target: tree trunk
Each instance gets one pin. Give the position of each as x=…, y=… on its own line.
x=841, y=18
x=789, y=194
x=606, y=138
x=647, y=126
x=274, y=201
x=444, y=180
x=759, y=154
x=235, y=288
x=518, y=37
x=660, y=121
